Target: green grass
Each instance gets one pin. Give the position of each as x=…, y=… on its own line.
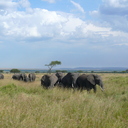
x=28, y=105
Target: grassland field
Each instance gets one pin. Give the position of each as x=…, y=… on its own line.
x=28, y=105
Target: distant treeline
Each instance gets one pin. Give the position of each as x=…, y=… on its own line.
x=53, y=71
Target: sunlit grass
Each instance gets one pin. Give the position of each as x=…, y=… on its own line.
x=28, y=105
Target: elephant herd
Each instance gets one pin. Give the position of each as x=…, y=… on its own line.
x=69, y=80
x=72, y=80
x=23, y=77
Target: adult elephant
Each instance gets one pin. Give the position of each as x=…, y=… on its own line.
x=60, y=76
x=1, y=76
x=49, y=81
x=16, y=77
x=23, y=77
x=89, y=82
x=31, y=77
x=69, y=80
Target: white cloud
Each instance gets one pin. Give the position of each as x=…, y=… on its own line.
x=72, y=24
x=52, y=32
x=114, y=14
x=24, y=3
x=8, y=5
x=114, y=7
x=122, y=44
x=117, y=3
x=11, y=6
x=77, y=6
x=41, y=24
x=50, y=1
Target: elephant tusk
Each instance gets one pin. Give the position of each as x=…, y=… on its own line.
x=101, y=88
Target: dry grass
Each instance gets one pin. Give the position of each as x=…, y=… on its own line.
x=28, y=105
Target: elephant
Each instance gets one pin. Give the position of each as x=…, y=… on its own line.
x=1, y=76
x=16, y=77
x=31, y=77
x=69, y=80
x=89, y=82
x=60, y=76
x=49, y=81
x=26, y=79
x=21, y=77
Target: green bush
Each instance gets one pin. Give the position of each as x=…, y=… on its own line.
x=15, y=71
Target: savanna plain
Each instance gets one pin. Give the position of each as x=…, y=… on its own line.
x=28, y=105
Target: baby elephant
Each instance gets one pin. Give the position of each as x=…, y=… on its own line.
x=49, y=81
x=89, y=82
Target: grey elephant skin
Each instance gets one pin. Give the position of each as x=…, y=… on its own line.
x=31, y=77
x=49, y=81
x=69, y=80
x=1, y=76
x=23, y=77
x=16, y=76
x=88, y=82
x=60, y=76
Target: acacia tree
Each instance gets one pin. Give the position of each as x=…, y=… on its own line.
x=52, y=64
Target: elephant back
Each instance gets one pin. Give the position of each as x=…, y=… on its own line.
x=69, y=80
x=81, y=80
x=16, y=76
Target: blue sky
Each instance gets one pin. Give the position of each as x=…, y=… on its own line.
x=79, y=33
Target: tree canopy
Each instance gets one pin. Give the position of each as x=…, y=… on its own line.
x=52, y=64
x=15, y=71
x=1, y=71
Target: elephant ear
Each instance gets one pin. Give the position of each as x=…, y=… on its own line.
x=91, y=79
x=44, y=77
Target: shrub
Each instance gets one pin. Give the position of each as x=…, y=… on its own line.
x=15, y=71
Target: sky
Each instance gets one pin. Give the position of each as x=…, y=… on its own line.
x=79, y=33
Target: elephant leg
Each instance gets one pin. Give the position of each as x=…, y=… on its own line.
x=88, y=90
x=81, y=89
x=50, y=87
x=57, y=82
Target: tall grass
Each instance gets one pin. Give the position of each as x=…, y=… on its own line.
x=28, y=105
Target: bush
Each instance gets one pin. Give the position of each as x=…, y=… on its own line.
x=37, y=71
x=15, y=71
x=1, y=71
